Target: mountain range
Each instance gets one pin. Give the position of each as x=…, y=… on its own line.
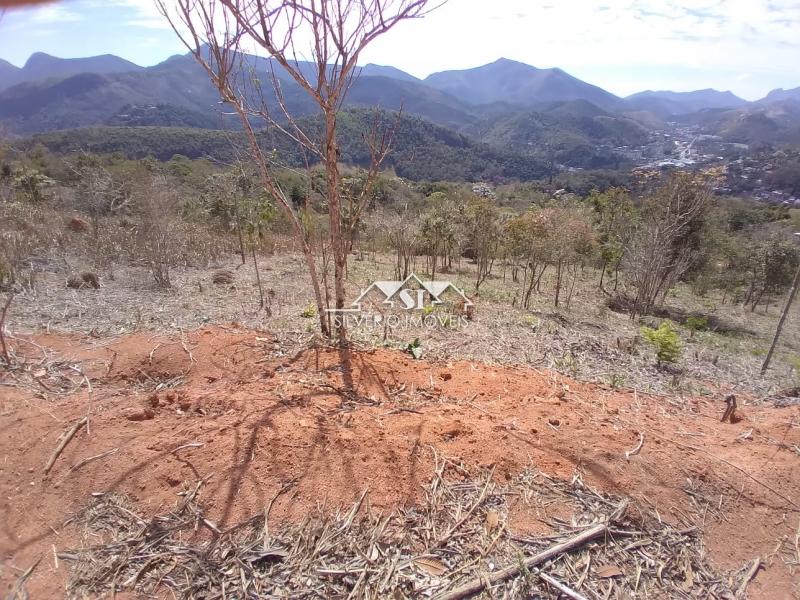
x=505, y=104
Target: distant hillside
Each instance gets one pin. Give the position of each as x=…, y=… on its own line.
x=545, y=114
x=372, y=70
x=517, y=83
x=93, y=99
x=664, y=103
x=775, y=122
x=573, y=133
x=9, y=74
x=42, y=66
x=780, y=94
x=163, y=115
x=421, y=150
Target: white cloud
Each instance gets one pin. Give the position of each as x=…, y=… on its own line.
x=53, y=13
x=582, y=36
x=146, y=13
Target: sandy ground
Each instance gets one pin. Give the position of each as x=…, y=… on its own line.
x=228, y=405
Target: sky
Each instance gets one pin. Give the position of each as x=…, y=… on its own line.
x=747, y=46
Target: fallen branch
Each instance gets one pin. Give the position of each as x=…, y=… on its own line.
x=6, y=356
x=86, y=461
x=751, y=572
x=18, y=590
x=478, y=584
x=65, y=438
x=567, y=591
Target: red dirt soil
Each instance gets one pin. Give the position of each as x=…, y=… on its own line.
x=338, y=422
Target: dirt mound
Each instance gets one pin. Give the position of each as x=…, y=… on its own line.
x=224, y=406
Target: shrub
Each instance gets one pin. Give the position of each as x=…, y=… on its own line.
x=415, y=349
x=665, y=341
x=696, y=323
x=309, y=312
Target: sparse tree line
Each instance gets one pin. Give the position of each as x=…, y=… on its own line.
x=102, y=211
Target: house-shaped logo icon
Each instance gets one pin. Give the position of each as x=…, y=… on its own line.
x=410, y=294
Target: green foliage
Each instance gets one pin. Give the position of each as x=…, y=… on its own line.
x=31, y=185
x=420, y=149
x=771, y=265
x=309, y=312
x=696, y=323
x=665, y=341
x=616, y=380
x=415, y=349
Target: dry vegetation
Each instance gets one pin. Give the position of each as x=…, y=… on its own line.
x=161, y=333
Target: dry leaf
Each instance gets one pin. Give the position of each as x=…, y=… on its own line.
x=492, y=519
x=609, y=571
x=431, y=565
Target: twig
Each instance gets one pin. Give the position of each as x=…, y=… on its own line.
x=6, y=357
x=751, y=572
x=635, y=451
x=189, y=445
x=480, y=583
x=65, y=438
x=468, y=514
x=19, y=585
x=268, y=509
x=86, y=461
x=567, y=591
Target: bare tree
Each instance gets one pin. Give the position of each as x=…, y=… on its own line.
x=665, y=244
x=334, y=32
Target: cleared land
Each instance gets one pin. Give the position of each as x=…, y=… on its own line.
x=509, y=436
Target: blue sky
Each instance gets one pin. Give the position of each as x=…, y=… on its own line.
x=747, y=46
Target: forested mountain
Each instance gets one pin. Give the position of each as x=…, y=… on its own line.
x=667, y=103
x=762, y=123
x=420, y=149
x=517, y=83
x=44, y=66
x=513, y=109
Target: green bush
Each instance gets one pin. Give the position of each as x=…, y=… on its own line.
x=696, y=323
x=415, y=349
x=665, y=341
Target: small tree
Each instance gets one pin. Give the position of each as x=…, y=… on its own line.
x=481, y=223
x=437, y=236
x=614, y=212
x=664, y=245
x=771, y=266
x=31, y=185
x=665, y=341
x=155, y=201
x=332, y=34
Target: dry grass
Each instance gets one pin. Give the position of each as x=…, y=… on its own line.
x=460, y=534
x=587, y=341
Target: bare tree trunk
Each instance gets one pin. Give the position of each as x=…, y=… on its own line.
x=558, y=280
x=789, y=300
x=338, y=245
x=603, y=274
x=241, y=239
x=258, y=278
